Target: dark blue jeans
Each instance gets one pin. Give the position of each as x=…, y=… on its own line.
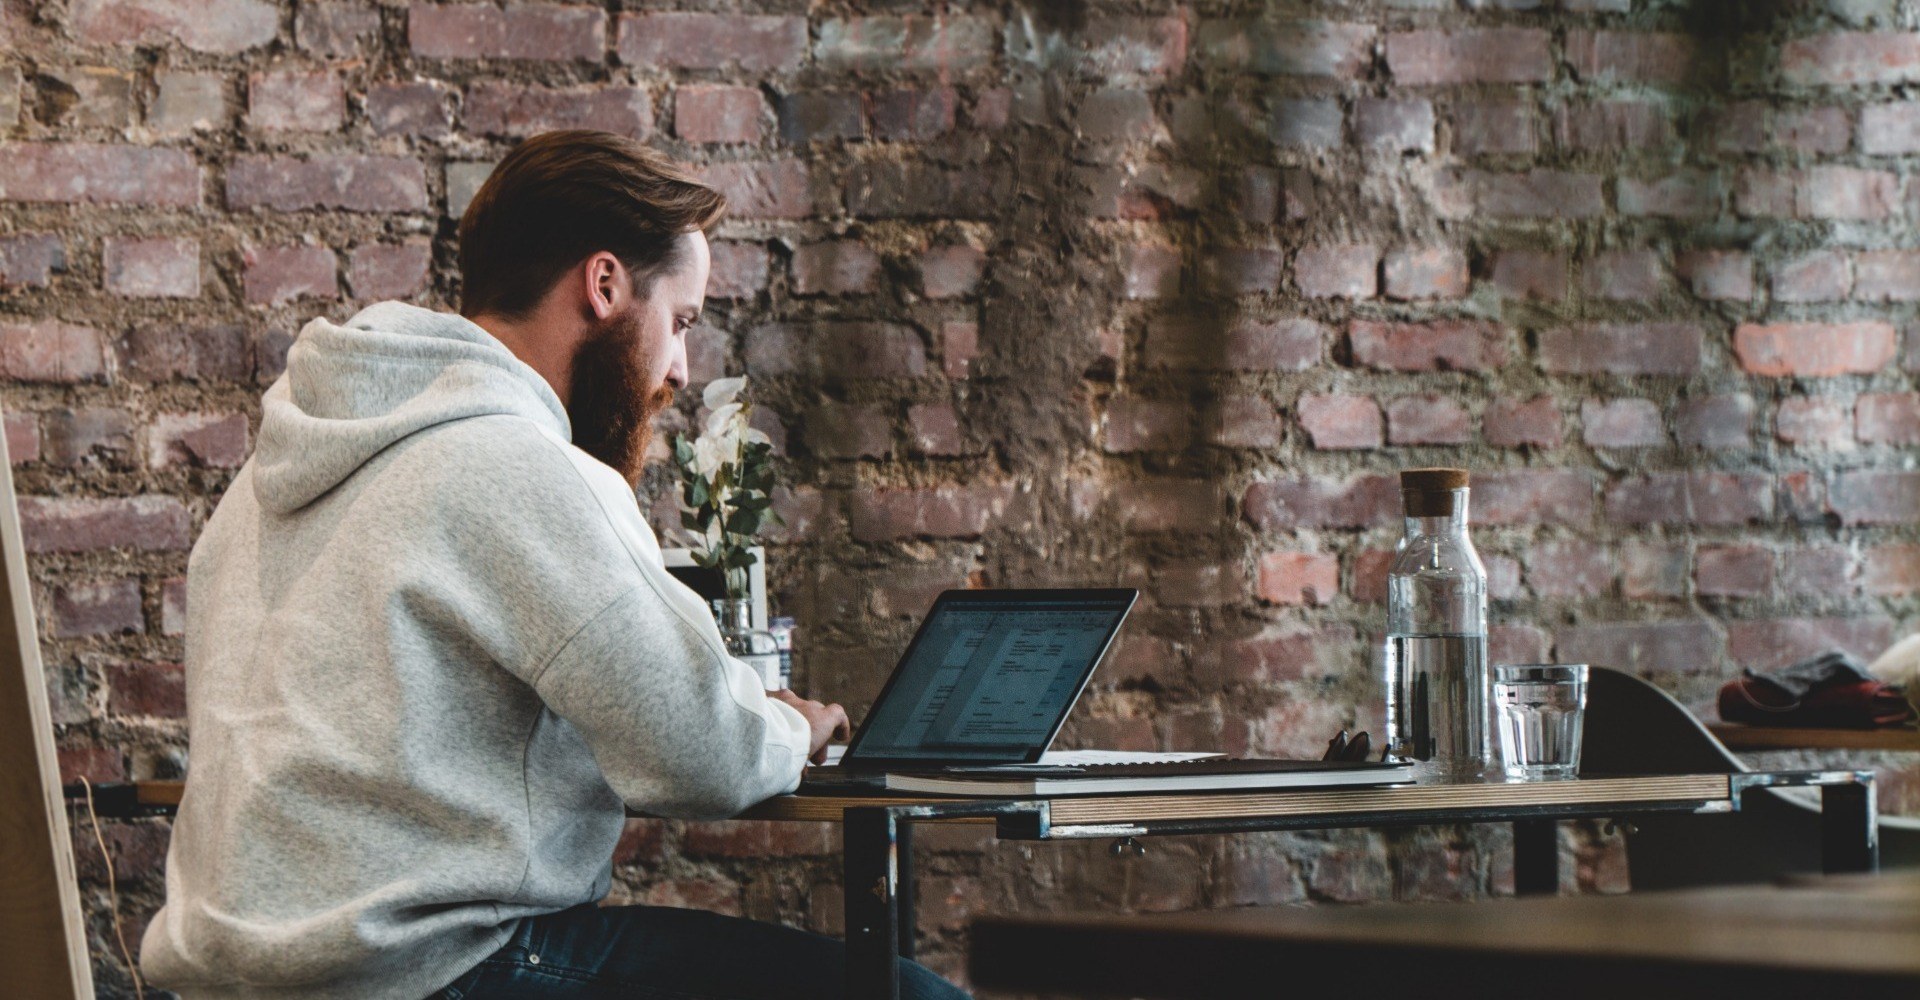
x=662, y=953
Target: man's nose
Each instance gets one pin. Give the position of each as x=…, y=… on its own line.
x=677, y=371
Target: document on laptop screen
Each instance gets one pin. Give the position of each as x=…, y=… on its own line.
x=990, y=681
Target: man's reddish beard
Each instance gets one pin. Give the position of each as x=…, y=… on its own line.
x=608, y=402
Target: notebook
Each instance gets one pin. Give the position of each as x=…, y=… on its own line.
x=983, y=689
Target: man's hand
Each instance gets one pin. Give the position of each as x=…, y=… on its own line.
x=828, y=722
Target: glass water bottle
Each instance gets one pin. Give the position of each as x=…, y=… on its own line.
x=756, y=647
x=1436, y=656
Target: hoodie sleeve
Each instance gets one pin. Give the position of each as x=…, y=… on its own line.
x=612, y=643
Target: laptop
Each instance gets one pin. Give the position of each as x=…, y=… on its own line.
x=983, y=689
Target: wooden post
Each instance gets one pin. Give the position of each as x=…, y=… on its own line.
x=43, y=942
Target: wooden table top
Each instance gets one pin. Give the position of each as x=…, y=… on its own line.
x=1861, y=933
x=1739, y=737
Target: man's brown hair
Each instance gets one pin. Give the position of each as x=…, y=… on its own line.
x=561, y=197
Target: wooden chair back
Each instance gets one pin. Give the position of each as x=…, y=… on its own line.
x=43, y=941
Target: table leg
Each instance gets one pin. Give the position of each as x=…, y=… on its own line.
x=903, y=889
x=1849, y=831
x=1536, y=857
x=872, y=903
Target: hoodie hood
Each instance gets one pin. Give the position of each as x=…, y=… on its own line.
x=351, y=391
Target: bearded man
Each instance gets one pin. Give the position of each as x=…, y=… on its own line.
x=432, y=653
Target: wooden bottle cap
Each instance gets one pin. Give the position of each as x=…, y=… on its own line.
x=1429, y=492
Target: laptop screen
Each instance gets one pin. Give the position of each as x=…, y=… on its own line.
x=990, y=676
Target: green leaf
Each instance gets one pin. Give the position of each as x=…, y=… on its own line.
x=697, y=494
x=744, y=522
x=682, y=451
x=689, y=522
x=752, y=501
x=740, y=559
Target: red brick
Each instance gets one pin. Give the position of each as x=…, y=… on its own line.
x=1437, y=272
x=1888, y=418
x=1817, y=570
x=1342, y=271
x=515, y=110
x=1851, y=58
x=1820, y=276
x=1531, y=274
x=692, y=40
x=1680, y=646
x=1874, y=497
x=223, y=27
x=1691, y=498
x=1517, y=644
x=837, y=430
x=1157, y=505
x=1336, y=421
x=23, y=438
x=1621, y=349
x=1299, y=577
x=80, y=436
x=336, y=29
x=935, y=430
x=1621, y=423
x=163, y=267
x=1624, y=274
x=951, y=271
x=1105, y=46
x=1349, y=872
x=642, y=842
x=1246, y=421
x=184, y=103
x=1532, y=497
x=1245, y=345
x=173, y=606
x=1428, y=420
x=1814, y=349
x=1740, y=127
x=530, y=31
x=1733, y=571
x=345, y=181
x=158, y=690
x=1613, y=126
x=838, y=267
x=1486, y=55
x=278, y=275
x=203, y=353
x=417, y=108
x=97, y=607
x=1825, y=130
x=1714, y=422
x=1770, y=645
x=87, y=173
x=209, y=440
x=302, y=102
x=1150, y=271
x=1891, y=570
x=76, y=524
x=884, y=189
x=1802, y=497
x=1653, y=570
x=959, y=346
x=51, y=351
x=1536, y=194
x=1719, y=275
x=913, y=114
x=1816, y=421
x=378, y=271
x=949, y=43
x=1683, y=194
x=1303, y=48
x=717, y=114
x=739, y=269
x=935, y=511
x=30, y=259
x=1494, y=128
x=96, y=764
x=1307, y=123
x=820, y=116
x=1886, y=275
x=1116, y=114
x=1365, y=501
x=1515, y=423
x=1239, y=271
x=1621, y=56
x=1568, y=568
x=1442, y=345
x=776, y=189
x=838, y=350
x=1831, y=192
x=1890, y=129
x=1397, y=124
x=1134, y=424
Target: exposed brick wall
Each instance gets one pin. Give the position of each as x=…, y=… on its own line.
x=1121, y=292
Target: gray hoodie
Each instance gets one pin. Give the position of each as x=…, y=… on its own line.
x=431, y=654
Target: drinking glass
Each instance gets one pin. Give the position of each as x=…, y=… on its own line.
x=1541, y=707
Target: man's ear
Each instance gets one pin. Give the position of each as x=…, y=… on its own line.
x=605, y=278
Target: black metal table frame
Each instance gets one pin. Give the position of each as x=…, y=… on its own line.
x=878, y=851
